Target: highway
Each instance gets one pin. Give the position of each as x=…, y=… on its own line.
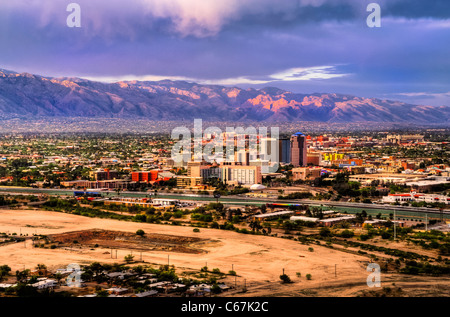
x=349, y=207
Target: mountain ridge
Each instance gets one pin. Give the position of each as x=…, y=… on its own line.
x=28, y=95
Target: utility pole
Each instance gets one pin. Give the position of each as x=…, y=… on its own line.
x=426, y=222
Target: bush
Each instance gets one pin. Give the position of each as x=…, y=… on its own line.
x=140, y=218
x=285, y=278
x=167, y=216
x=347, y=234
x=202, y=217
x=364, y=237
x=308, y=276
x=140, y=232
x=410, y=270
x=129, y=258
x=196, y=230
x=325, y=232
x=178, y=214
x=311, y=249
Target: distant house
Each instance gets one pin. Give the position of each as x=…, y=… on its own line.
x=3, y=285
x=273, y=215
x=331, y=221
x=120, y=275
x=45, y=283
x=117, y=290
x=304, y=218
x=150, y=293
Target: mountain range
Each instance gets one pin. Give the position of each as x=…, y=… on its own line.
x=31, y=96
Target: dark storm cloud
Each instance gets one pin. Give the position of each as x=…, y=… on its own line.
x=324, y=44
x=438, y=9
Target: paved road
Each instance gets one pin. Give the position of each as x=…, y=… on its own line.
x=239, y=200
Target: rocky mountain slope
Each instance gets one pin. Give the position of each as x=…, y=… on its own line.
x=26, y=95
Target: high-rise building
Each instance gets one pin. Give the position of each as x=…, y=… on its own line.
x=284, y=151
x=298, y=149
x=242, y=157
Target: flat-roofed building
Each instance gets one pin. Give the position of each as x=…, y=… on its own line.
x=188, y=181
x=241, y=175
x=331, y=221
x=303, y=218
x=273, y=215
x=145, y=176
x=405, y=138
x=284, y=151
x=298, y=150
x=304, y=173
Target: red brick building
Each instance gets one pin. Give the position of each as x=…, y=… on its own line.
x=144, y=176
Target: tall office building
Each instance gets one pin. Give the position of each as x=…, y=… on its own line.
x=242, y=157
x=284, y=151
x=298, y=150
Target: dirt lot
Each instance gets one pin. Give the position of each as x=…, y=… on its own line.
x=126, y=241
x=258, y=260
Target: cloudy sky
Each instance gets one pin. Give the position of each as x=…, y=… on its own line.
x=304, y=46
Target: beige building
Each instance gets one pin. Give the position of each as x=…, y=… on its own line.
x=304, y=173
x=241, y=175
x=189, y=182
x=409, y=138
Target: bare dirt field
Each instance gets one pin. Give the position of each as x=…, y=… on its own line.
x=257, y=260
x=125, y=241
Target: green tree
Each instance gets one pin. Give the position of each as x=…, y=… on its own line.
x=215, y=289
x=4, y=271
